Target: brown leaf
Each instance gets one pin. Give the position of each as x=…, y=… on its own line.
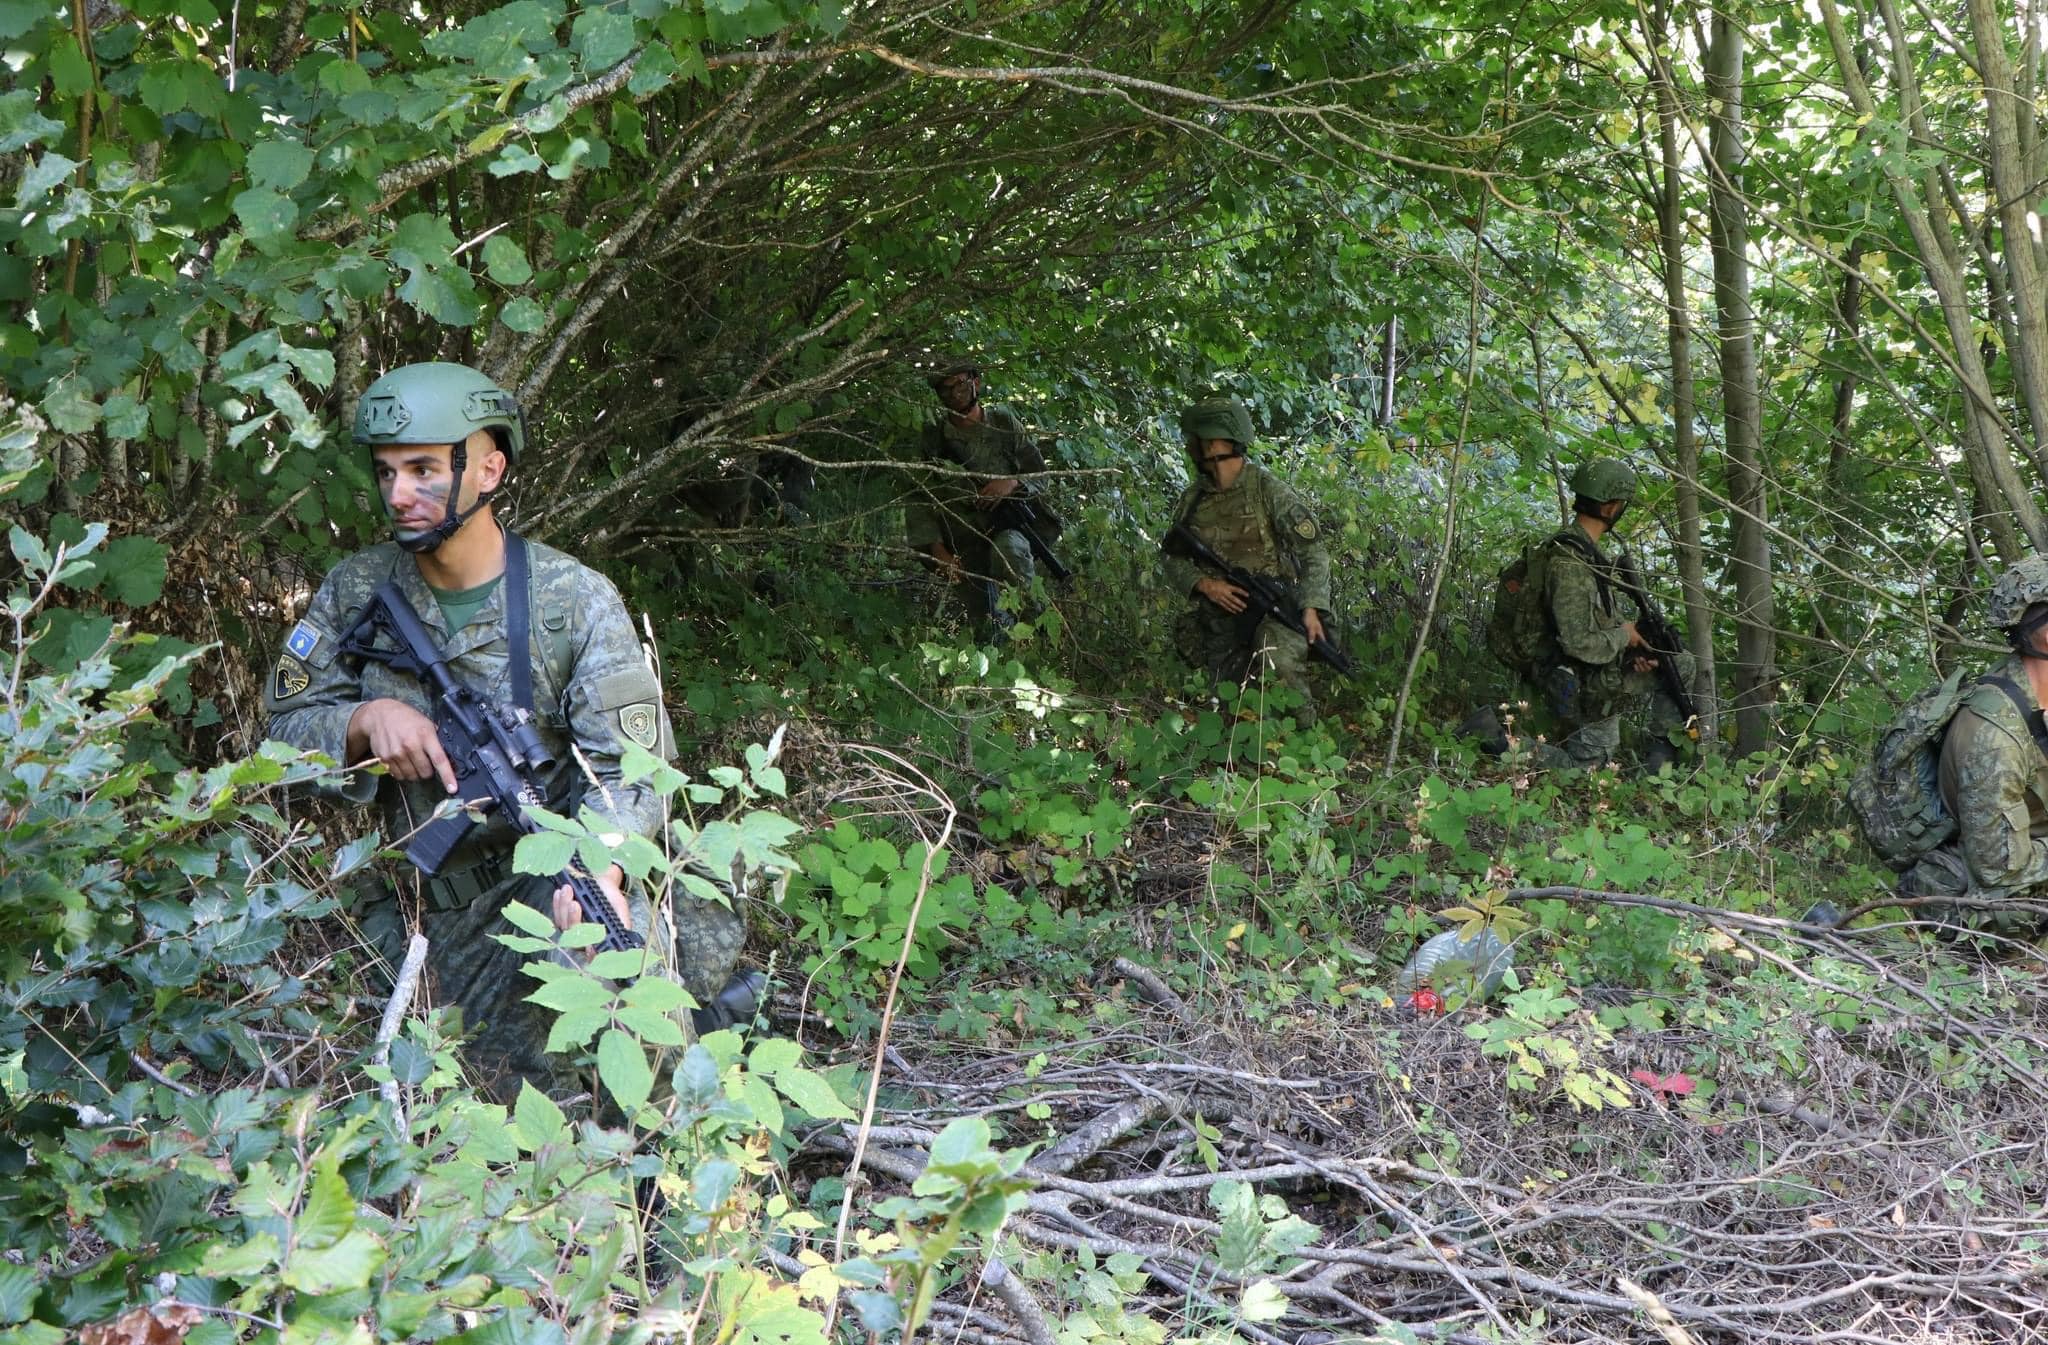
x=164, y=1324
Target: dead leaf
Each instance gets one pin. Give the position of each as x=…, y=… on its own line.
x=164, y=1324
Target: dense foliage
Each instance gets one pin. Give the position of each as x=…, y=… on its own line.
x=1787, y=261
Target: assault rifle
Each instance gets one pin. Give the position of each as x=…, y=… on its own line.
x=1265, y=595
x=497, y=754
x=1012, y=514
x=1664, y=642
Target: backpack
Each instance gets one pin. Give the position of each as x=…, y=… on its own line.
x=1519, y=631
x=1897, y=793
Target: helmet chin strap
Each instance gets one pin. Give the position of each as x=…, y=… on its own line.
x=2023, y=638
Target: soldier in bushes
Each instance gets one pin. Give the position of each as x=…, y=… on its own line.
x=952, y=522
x=441, y=439
x=1257, y=522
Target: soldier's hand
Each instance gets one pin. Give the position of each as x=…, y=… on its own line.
x=1635, y=637
x=402, y=738
x=1313, y=620
x=568, y=912
x=992, y=494
x=1223, y=593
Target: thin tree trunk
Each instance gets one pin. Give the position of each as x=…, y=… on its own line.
x=2015, y=194
x=1685, y=445
x=1741, y=409
x=1983, y=442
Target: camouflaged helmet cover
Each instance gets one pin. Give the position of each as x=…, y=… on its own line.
x=949, y=366
x=1605, y=479
x=2016, y=590
x=438, y=403
x=1218, y=418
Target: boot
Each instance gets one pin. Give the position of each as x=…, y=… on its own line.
x=1659, y=754
x=735, y=1004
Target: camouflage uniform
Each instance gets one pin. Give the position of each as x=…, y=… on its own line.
x=991, y=449
x=591, y=687
x=1994, y=780
x=1263, y=525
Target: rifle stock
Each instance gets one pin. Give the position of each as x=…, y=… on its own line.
x=1015, y=515
x=1267, y=596
x=497, y=754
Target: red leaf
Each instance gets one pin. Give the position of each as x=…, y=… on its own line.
x=1674, y=1085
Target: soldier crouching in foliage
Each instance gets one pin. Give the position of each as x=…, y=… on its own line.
x=956, y=525
x=1257, y=522
x=442, y=438
x=1993, y=773
x=1583, y=653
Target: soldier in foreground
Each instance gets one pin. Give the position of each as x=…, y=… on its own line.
x=963, y=524
x=1993, y=773
x=520, y=624
x=1577, y=637
x=1256, y=522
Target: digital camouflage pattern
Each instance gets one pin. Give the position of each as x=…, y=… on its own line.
x=994, y=448
x=1263, y=525
x=2016, y=590
x=1589, y=689
x=1605, y=479
x=1994, y=779
x=591, y=686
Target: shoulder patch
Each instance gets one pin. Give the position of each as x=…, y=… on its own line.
x=290, y=679
x=641, y=723
x=304, y=639
x=1305, y=528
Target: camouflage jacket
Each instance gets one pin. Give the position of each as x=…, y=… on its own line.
x=1261, y=524
x=1995, y=782
x=591, y=686
x=1587, y=602
x=943, y=509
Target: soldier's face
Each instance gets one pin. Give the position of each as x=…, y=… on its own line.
x=960, y=392
x=415, y=481
x=1220, y=461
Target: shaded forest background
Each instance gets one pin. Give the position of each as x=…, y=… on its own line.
x=1786, y=260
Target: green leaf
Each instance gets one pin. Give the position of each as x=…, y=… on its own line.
x=1262, y=1302
x=537, y=1119
x=279, y=164
x=711, y=1183
x=523, y=315
x=265, y=214
x=658, y=1029
x=21, y=124
x=813, y=1095
x=18, y=1288
x=253, y=1257
x=348, y=1264
x=622, y=1066
x=329, y=1212
x=543, y=854
x=761, y=1101
x=530, y=920
x=18, y=16
x=962, y=1146
x=774, y=1055
x=133, y=570
x=603, y=37
x=619, y=964
x=69, y=405
x=39, y=177
x=572, y=990
x=506, y=261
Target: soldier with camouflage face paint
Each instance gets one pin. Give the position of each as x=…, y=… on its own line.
x=1602, y=665
x=1994, y=772
x=442, y=438
x=951, y=523
x=1257, y=522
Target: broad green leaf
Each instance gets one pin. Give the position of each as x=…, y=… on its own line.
x=37, y=178
x=19, y=1286
x=813, y=1095
x=506, y=261
x=962, y=1145
x=21, y=125
x=774, y=1054
x=348, y=1264
x=537, y=1119
x=622, y=1066
x=523, y=315
x=530, y=920
x=1262, y=1302
x=543, y=854
x=133, y=570
x=279, y=164
x=265, y=214
x=603, y=37
x=329, y=1212
x=253, y=1257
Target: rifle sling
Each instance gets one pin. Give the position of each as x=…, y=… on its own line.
x=518, y=623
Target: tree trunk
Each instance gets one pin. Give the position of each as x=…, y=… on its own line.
x=1685, y=445
x=2015, y=195
x=1741, y=411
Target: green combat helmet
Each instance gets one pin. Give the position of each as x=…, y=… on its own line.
x=440, y=403
x=950, y=366
x=2016, y=590
x=1605, y=479
x=1218, y=417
